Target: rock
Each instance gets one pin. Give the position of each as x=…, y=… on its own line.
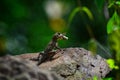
x=12, y=68
x=78, y=61
x=75, y=64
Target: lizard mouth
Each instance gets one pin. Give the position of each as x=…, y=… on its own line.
x=64, y=37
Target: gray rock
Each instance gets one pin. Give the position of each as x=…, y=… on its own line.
x=80, y=64
x=74, y=64
x=12, y=68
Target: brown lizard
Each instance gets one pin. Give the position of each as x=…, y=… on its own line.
x=50, y=47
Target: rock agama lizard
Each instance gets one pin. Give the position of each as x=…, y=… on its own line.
x=50, y=47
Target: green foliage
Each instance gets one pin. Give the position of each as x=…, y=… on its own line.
x=114, y=42
x=113, y=29
x=113, y=23
x=95, y=78
x=88, y=12
x=107, y=78
x=111, y=64
x=118, y=3
x=80, y=9
x=99, y=4
x=92, y=46
x=113, y=3
x=17, y=9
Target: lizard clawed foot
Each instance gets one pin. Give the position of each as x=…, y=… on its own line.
x=39, y=63
x=34, y=59
x=42, y=59
x=37, y=58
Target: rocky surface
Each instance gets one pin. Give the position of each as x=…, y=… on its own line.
x=72, y=64
x=12, y=68
x=80, y=64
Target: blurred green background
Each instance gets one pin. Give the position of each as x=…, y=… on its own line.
x=26, y=26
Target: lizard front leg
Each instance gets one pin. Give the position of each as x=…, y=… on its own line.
x=45, y=57
x=37, y=58
x=42, y=59
x=56, y=46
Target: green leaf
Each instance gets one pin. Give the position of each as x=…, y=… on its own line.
x=80, y=9
x=92, y=46
x=88, y=12
x=111, y=64
x=111, y=4
x=114, y=41
x=110, y=78
x=95, y=78
x=113, y=23
x=76, y=10
x=118, y=3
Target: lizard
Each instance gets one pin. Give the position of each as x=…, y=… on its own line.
x=50, y=47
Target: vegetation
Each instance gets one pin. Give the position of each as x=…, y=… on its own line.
x=27, y=26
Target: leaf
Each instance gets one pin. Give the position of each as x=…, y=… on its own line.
x=111, y=4
x=114, y=3
x=76, y=10
x=80, y=9
x=118, y=3
x=113, y=23
x=111, y=64
x=95, y=78
x=114, y=42
x=88, y=12
x=109, y=78
x=92, y=46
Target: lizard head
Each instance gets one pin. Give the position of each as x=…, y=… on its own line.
x=60, y=36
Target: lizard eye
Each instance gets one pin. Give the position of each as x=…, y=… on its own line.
x=58, y=33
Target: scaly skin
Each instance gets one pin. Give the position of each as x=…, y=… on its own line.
x=43, y=56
